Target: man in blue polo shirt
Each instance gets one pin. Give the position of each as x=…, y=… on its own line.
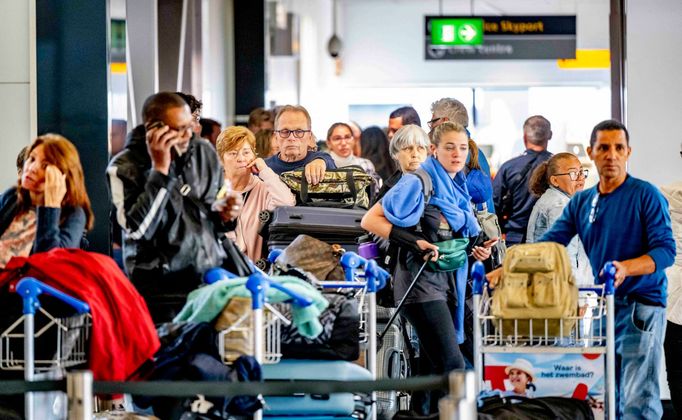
x=625, y=220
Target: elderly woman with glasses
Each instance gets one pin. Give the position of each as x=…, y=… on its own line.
x=259, y=185
x=555, y=181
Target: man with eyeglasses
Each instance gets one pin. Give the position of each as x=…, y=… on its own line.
x=292, y=127
x=513, y=199
x=625, y=220
x=450, y=109
x=163, y=185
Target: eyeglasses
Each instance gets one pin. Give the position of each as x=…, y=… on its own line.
x=339, y=138
x=286, y=133
x=594, y=210
x=433, y=121
x=574, y=175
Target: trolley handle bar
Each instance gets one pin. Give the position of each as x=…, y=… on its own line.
x=327, y=284
x=478, y=277
x=608, y=275
x=258, y=284
x=376, y=276
x=272, y=256
x=30, y=288
x=599, y=290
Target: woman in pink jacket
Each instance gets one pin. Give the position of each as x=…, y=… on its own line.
x=261, y=188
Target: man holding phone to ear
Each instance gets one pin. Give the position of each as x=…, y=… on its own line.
x=164, y=185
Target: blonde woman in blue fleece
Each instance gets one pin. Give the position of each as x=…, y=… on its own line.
x=435, y=307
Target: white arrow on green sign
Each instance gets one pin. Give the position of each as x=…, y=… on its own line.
x=456, y=31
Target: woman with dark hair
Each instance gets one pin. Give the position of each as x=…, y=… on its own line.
x=555, y=181
x=49, y=208
x=340, y=142
x=374, y=145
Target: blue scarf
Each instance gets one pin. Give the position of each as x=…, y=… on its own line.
x=404, y=203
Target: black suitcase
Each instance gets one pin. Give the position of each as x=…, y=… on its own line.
x=334, y=226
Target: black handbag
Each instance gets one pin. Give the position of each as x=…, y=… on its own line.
x=236, y=262
x=340, y=338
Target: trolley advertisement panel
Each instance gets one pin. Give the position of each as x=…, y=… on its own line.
x=532, y=375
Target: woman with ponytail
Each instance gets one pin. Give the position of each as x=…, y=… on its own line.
x=555, y=181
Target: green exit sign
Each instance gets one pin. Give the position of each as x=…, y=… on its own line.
x=456, y=31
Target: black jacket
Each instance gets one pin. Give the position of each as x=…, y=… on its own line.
x=510, y=178
x=165, y=231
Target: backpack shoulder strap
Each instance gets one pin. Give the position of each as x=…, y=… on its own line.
x=425, y=178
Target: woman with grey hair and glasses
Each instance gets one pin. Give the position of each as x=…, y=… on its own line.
x=409, y=147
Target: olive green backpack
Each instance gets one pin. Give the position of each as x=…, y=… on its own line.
x=536, y=284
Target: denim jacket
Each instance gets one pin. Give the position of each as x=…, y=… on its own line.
x=545, y=212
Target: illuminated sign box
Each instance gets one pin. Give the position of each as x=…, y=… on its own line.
x=456, y=31
x=501, y=38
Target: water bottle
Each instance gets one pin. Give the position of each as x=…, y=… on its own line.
x=367, y=248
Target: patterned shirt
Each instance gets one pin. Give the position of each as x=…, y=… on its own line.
x=17, y=241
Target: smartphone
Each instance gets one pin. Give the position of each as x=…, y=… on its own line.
x=481, y=239
x=154, y=124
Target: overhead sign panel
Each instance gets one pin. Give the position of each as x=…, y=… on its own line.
x=501, y=38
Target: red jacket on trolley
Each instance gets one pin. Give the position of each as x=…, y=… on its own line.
x=123, y=334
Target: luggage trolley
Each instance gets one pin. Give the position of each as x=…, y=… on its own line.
x=591, y=332
x=21, y=340
x=366, y=277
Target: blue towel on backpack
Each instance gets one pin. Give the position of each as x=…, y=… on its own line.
x=404, y=203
